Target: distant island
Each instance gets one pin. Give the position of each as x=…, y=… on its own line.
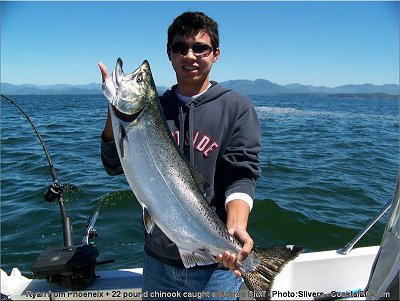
x=246, y=87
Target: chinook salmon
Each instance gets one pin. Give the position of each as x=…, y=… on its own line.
x=170, y=191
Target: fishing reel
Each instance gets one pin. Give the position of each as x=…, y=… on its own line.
x=53, y=192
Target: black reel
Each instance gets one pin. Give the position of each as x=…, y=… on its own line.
x=53, y=192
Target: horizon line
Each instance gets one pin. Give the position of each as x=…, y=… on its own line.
x=283, y=85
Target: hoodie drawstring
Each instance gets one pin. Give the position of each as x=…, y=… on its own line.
x=181, y=129
x=191, y=146
x=182, y=132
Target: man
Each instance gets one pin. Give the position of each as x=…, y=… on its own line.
x=219, y=133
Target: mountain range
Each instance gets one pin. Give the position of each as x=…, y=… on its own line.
x=265, y=87
x=247, y=87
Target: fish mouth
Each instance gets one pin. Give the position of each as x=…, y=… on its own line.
x=127, y=117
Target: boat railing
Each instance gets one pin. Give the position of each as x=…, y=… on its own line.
x=349, y=246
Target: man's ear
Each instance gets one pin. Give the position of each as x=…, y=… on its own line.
x=169, y=54
x=217, y=53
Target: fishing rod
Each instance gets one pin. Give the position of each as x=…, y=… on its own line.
x=55, y=190
x=72, y=266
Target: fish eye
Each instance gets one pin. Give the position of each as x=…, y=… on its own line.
x=139, y=78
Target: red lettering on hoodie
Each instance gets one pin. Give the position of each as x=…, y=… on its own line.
x=175, y=134
x=214, y=145
x=202, y=143
x=205, y=144
x=196, y=134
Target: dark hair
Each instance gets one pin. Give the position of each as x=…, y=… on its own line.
x=191, y=23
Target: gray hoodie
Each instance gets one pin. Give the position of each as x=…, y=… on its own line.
x=219, y=133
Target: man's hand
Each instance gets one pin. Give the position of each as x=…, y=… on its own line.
x=238, y=215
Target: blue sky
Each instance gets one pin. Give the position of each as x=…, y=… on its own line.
x=315, y=43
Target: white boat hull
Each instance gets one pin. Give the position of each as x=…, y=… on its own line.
x=326, y=272
x=309, y=275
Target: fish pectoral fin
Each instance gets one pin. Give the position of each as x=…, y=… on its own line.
x=199, y=257
x=147, y=221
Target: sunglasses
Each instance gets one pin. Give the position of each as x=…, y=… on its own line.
x=198, y=49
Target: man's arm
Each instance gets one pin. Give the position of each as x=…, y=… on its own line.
x=108, y=135
x=238, y=215
x=241, y=159
x=109, y=154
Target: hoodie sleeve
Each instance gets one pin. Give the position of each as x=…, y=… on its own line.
x=241, y=157
x=109, y=158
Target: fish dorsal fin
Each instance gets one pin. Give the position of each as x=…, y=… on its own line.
x=197, y=257
x=201, y=182
x=147, y=221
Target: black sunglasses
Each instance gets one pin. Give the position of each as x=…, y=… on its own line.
x=198, y=49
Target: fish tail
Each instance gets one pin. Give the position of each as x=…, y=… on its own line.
x=270, y=263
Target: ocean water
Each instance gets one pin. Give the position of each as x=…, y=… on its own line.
x=328, y=166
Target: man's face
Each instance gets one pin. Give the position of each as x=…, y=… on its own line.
x=191, y=69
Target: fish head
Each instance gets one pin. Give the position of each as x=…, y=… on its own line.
x=133, y=91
